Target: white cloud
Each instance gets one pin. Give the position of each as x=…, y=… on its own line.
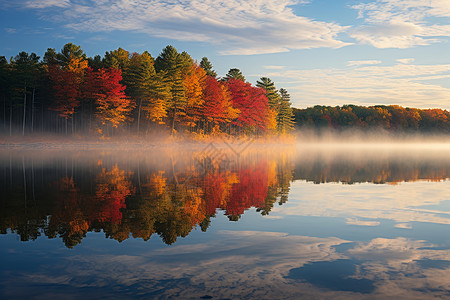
x=405, y=60
x=236, y=26
x=403, y=84
x=402, y=23
x=274, y=67
x=363, y=62
x=47, y=3
x=11, y=30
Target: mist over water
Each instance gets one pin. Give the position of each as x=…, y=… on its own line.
x=324, y=217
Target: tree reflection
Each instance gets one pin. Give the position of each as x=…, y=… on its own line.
x=129, y=198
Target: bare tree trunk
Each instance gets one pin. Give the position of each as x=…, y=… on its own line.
x=90, y=123
x=4, y=113
x=42, y=119
x=24, y=108
x=32, y=110
x=173, y=121
x=10, y=118
x=139, y=116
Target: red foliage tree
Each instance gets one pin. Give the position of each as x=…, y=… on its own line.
x=66, y=87
x=252, y=102
x=112, y=105
x=217, y=107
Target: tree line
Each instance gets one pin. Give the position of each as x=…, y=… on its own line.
x=391, y=117
x=69, y=93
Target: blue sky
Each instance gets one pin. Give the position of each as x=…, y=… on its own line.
x=327, y=52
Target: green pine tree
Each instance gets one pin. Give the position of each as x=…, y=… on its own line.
x=285, y=116
x=208, y=67
x=117, y=59
x=68, y=52
x=235, y=74
x=173, y=65
x=271, y=91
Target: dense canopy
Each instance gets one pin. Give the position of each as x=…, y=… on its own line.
x=67, y=92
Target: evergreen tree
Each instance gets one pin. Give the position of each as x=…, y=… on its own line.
x=173, y=65
x=50, y=57
x=271, y=91
x=208, y=67
x=117, y=59
x=68, y=52
x=235, y=74
x=147, y=87
x=285, y=117
x=95, y=62
x=274, y=100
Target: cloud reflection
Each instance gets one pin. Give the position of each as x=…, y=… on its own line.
x=243, y=264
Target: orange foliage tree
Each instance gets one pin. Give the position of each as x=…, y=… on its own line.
x=194, y=82
x=112, y=105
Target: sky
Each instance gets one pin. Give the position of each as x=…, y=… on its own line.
x=324, y=52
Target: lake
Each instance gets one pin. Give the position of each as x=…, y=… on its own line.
x=316, y=221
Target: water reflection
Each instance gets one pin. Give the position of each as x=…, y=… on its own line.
x=170, y=195
x=75, y=195
x=305, y=222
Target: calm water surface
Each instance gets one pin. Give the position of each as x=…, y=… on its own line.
x=307, y=221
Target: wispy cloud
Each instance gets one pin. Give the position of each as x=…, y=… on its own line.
x=402, y=23
x=363, y=62
x=236, y=26
x=406, y=60
x=274, y=67
x=64, y=37
x=364, y=84
x=47, y=3
x=11, y=30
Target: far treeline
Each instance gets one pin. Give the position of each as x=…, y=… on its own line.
x=69, y=93
x=391, y=117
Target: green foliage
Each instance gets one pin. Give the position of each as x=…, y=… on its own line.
x=95, y=62
x=50, y=57
x=173, y=66
x=117, y=59
x=285, y=116
x=208, y=67
x=271, y=91
x=235, y=74
x=68, y=52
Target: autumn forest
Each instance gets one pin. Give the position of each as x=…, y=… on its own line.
x=69, y=93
